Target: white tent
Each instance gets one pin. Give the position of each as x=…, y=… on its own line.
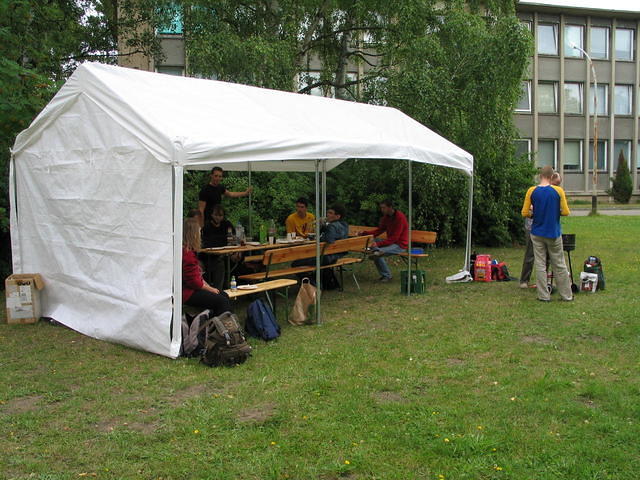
x=96, y=183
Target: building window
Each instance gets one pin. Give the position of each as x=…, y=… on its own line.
x=526, y=24
x=622, y=100
x=572, y=155
x=524, y=104
x=624, y=147
x=523, y=148
x=546, y=154
x=624, y=44
x=547, y=39
x=600, y=43
x=547, y=97
x=602, y=155
x=573, y=98
x=174, y=24
x=309, y=78
x=602, y=95
x=573, y=35
x=178, y=71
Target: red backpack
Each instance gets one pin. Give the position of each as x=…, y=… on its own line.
x=482, y=268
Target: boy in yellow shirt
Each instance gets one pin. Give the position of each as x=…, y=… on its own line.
x=301, y=221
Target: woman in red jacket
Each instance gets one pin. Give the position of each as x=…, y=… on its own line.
x=195, y=291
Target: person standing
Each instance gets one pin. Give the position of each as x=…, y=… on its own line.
x=395, y=224
x=212, y=193
x=527, y=262
x=549, y=203
x=301, y=221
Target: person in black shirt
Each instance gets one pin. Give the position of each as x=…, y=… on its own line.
x=214, y=234
x=212, y=194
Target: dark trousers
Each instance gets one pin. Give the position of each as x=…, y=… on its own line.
x=216, y=302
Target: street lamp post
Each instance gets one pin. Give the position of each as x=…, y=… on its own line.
x=594, y=185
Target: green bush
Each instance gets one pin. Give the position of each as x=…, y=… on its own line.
x=622, y=185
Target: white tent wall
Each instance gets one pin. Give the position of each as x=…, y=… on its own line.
x=93, y=214
x=96, y=182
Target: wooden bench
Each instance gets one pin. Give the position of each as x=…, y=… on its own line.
x=421, y=237
x=273, y=259
x=266, y=287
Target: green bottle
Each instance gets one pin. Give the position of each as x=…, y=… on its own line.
x=263, y=233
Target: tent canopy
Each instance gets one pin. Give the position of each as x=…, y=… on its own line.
x=96, y=183
x=198, y=122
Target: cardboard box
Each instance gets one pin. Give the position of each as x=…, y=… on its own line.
x=23, y=297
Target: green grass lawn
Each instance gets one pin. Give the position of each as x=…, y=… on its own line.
x=468, y=381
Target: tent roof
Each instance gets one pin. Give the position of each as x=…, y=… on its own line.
x=197, y=123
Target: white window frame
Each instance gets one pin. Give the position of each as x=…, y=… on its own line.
x=555, y=151
x=629, y=102
x=580, y=86
x=606, y=40
x=603, y=104
x=555, y=98
x=605, y=155
x=569, y=51
x=527, y=84
x=580, y=155
x=628, y=58
x=546, y=26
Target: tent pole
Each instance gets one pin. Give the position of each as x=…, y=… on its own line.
x=176, y=333
x=16, y=236
x=250, y=229
x=467, y=253
x=324, y=187
x=410, y=227
x=318, y=288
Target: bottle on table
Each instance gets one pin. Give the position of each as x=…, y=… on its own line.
x=272, y=232
x=233, y=285
x=230, y=239
x=263, y=233
x=240, y=235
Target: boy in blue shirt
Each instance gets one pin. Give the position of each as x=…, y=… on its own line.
x=549, y=203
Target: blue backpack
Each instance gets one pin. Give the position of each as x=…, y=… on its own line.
x=261, y=323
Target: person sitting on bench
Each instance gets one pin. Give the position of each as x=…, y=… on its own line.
x=195, y=291
x=335, y=229
x=395, y=224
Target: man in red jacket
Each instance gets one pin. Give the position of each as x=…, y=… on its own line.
x=395, y=224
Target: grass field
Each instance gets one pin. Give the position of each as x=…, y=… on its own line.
x=468, y=381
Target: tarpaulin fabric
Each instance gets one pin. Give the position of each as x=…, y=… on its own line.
x=95, y=181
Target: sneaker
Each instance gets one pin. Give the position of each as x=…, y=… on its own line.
x=546, y=300
x=524, y=285
x=378, y=253
x=385, y=279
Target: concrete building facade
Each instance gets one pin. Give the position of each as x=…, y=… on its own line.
x=555, y=115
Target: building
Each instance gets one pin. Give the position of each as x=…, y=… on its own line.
x=555, y=113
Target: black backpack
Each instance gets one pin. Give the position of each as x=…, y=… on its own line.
x=225, y=343
x=594, y=265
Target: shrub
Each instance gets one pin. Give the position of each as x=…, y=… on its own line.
x=622, y=185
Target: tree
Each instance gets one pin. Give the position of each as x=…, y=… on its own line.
x=622, y=186
x=448, y=65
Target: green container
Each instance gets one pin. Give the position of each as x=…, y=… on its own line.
x=418, y=281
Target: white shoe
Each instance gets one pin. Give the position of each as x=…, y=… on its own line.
x=524, y=285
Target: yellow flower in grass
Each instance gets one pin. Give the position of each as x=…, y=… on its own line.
x=347, y=462
x=196, y=432
x=480, y=427
x=497, y=468
x=273, y=443
x=446, y=440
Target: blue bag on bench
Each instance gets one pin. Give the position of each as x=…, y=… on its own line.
x=261, y=322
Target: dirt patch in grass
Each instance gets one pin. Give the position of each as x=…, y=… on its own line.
x=258, y=414
x=110, y=425
x=179, y=397
x=386, y=396
x=586, y=401
x=19, y=405
x=454, y=361
x=539, y=339
x=591, y=338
